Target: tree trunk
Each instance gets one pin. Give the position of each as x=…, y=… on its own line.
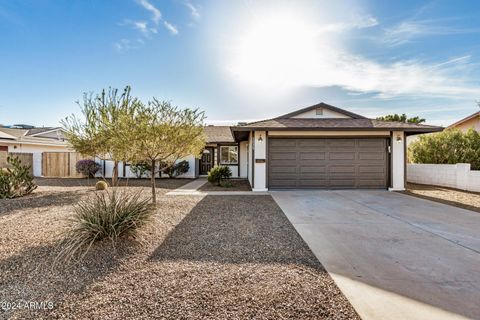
x=152, y=180
x=115, y=174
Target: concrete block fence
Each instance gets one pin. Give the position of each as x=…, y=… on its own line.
x=458, y=176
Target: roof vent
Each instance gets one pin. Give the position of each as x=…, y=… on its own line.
x=241, y=124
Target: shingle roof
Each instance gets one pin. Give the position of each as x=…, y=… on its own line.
x=324, y=106
x=217, y=134
x=17, y=133
x=40, y=130
x=335, y=124
x=21, y=136
x=472, y=116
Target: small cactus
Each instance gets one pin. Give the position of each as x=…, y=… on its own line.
x=101, y=185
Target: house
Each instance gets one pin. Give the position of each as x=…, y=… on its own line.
x=322, y=146
x=27, y=139
x=472, y=121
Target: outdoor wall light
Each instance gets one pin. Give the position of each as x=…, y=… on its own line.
x=260, y=139
x=399, y=138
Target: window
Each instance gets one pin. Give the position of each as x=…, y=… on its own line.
x=228, y=155
x=319, y=111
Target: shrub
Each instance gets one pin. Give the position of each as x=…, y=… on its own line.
x=87, y=167
x=219, y=174
x=105, y=215
x=140, y=169
x=15, y=181
x=101, y=185
x=177, y=169
x=447, y=147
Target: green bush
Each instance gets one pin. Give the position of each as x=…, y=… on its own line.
x=447, y=147
x=177, y=169
x=15, y=181
x=140, y=169
x=219, y=174
x=105, y=215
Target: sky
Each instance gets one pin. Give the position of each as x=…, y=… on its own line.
x=241, y=60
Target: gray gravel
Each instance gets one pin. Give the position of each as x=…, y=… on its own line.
x=214, y=257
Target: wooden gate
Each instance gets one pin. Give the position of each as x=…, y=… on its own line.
x=61, y=164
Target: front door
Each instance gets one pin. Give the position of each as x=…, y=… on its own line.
x=206, y=161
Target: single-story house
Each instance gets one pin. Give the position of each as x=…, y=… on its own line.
x=472, y=121
x=35, y=141
x=322, y=146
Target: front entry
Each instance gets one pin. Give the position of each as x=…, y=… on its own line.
x=206, y=161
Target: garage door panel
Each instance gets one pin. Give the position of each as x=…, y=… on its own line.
x=341, y=169
x=283, y=156
x=341, y=143
x=371, y=169
x=371, y=155
x=312, y=155
x=342, y=156
x=313, y=169
x=327, y=163
x=284, y=169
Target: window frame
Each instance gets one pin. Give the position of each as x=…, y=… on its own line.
x=222, y=162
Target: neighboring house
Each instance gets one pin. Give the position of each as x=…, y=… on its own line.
x=322, y=146
x=35, y=141
x=472, y=121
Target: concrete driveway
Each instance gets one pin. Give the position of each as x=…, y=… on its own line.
x=393, y=256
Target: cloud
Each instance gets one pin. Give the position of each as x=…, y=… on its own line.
x=173, y=30
x=156, y=19
x=194, y=12
x=157, y=15
x=126, y=44
x=408, y=30
x=142, y=26
x=282, y=51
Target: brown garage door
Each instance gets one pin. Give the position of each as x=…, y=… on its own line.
x=327, y=163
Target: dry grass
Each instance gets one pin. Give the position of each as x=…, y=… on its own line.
x=214, y=257
x=454, y=197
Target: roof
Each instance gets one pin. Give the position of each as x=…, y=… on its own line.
x=334, y=124
x=472, y=116
x=355, y=122
x=322, y=105
x=27, y=136
x=218, y=134
x=35, y=131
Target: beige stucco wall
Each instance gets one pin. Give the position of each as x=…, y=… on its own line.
x=472, y=123
x=327, y=113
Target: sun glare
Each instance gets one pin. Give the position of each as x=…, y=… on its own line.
x=275, y=51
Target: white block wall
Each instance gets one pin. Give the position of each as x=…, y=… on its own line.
x=129, y=173
x=458, y=176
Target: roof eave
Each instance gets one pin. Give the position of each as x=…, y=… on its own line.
x=419, y=130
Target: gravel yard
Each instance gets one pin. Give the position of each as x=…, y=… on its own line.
x=211, y=257
x=453, y=197
x=236, y=185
